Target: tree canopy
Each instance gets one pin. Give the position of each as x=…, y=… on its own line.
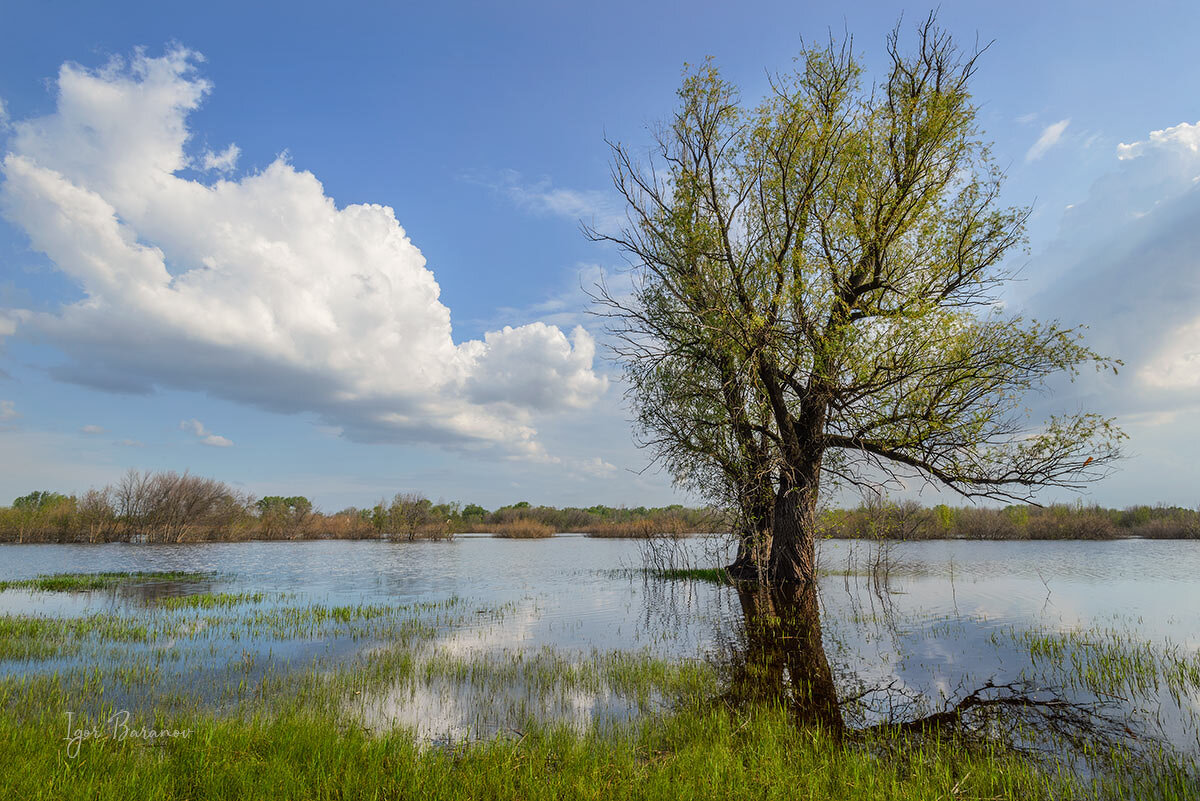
x=817, y=295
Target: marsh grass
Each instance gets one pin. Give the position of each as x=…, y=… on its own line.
x=696, y=753
x=714, y=575
x=1110, y=662
x=211, y=600
x=81, y=582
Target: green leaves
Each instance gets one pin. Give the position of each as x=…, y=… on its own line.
x=818, y=281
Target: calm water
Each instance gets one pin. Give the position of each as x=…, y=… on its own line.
x=943, y=624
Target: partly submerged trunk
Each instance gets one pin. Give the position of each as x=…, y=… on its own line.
x=784, y=660
x=793, y=558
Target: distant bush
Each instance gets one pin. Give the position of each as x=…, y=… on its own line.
x=660, y=526
x=523, y=529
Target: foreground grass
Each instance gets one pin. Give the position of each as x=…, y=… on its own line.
x=79, y=582
x=695, y=754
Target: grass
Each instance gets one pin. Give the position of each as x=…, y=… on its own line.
x=27, y=637
x=210, y=600
x=715, y=575
x=80, y=582
x=695, y=754
x=1109, y=662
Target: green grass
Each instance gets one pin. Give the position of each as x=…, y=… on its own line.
x=210, y=600
x=700, y=753
x=79, y=582
x=716, y=575
x=1110, y=662
x=27, y=637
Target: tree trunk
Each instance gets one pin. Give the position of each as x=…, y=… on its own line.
x=793, y=544
x=754, y=549
x=754, y=543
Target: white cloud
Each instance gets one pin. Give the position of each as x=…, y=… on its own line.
x=3, y=115
x=596, y=467
x=224, y=161
x=257, y=289
x=1049, y=138
x=131, y=443
x=92, y=429
x=206, y=437
x=1183, y=136
x=8, y=410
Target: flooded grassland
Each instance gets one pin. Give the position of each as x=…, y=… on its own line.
x=561, y=667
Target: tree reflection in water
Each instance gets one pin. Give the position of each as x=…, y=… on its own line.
x=782, y=657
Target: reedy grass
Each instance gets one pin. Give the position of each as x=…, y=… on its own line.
x=697, y=753
x=714, y=575
x=209, y=600
x=1109, y=662
x=79, y=582
x=522, y=529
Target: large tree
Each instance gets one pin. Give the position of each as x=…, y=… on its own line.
x=817, y=292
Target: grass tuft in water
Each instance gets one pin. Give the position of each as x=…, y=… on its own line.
x=80, y=582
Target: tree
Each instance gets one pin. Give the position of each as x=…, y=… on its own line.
x=280, y=516
x=817, y=295
x=38, y=500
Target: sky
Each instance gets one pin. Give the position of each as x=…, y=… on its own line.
x=337, y=253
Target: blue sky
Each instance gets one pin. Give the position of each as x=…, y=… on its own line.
x=481, y=127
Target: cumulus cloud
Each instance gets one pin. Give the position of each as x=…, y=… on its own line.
x=224, y=161
x=205, y=436
x=1184, y=136
x=92, y=429
x=259, y=288
x=1049, y=138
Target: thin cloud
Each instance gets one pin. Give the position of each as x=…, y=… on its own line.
x=595, y=208
x=1050, y=137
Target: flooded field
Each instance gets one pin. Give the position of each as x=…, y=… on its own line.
x=1085, y=655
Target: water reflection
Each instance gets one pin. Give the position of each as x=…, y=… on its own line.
x=782, y=656
x=1095, y=713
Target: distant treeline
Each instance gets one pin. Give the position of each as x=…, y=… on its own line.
x=174, y=507
x=911, y=521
